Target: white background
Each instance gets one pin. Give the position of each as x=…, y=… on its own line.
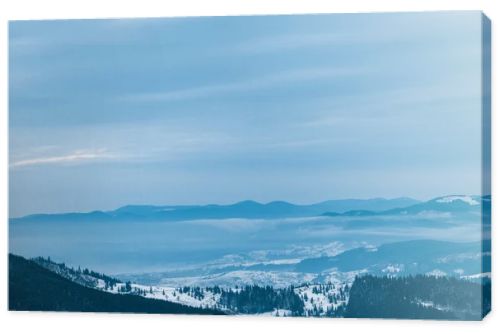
x=18, y=322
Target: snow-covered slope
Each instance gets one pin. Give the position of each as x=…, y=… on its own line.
x=471, y=200
x=277, y=279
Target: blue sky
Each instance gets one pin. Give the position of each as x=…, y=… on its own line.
x=105, y=113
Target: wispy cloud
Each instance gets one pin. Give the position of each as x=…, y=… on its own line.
x=73, y=157
x=263, y=82
x=291, y=42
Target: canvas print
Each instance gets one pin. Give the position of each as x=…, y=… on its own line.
x=288, y=166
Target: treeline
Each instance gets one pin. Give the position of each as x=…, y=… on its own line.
x=415, y=297
x=198, y=293
x=336, y=296
x=127, y=288
x=84, y=276
x=34, y=288
x=250, y=299
x=256, y=299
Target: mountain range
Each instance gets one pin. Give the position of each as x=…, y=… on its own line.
x=276, y=209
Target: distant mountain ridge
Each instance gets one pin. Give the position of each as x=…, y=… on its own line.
x=245, y=209
x=452, y=204
x=276, y=209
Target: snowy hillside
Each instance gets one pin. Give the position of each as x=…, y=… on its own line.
x=318, y=299
x=467, y=199
x=277, y=279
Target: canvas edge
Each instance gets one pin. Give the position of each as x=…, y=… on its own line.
x=486, y=156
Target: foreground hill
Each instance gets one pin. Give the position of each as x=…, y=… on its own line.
x=42, y=285
x=34, y=288
x=418, y=297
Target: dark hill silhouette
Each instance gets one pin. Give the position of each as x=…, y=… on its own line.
x=34, y=288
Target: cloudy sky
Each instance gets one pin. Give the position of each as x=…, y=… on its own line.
x=105, y=113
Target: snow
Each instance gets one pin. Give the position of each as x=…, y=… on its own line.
x=337, y=277
x=436, y=273
x=426, y=303
x=100, y=284
x=461, y=257
x=318, y=298
x=276, y=313
x=172, y=294
x=322, y=297
x=430, y=304
x=393, y=269
x=278, y=279
x=466, y=199
x=477, y=276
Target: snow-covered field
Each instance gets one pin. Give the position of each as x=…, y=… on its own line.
x=171, y=294
x=319, y=299
x=277, y=279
